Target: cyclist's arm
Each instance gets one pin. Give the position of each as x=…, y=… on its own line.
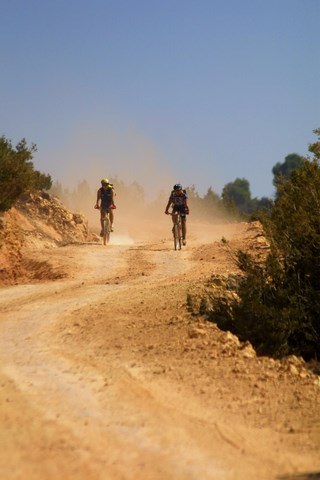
x=168, y=205
x=98, y=199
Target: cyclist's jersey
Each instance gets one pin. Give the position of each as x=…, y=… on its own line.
x=106, y=197
x=178, y=198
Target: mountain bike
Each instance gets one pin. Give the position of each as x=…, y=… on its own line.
x=177, y=230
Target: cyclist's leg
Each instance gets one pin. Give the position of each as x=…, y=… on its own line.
x=111, y=218
x=184, y=228
x=181, y=209
x=174, y=217
x=102, y=216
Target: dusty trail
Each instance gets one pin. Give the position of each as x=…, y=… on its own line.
x=100, y=379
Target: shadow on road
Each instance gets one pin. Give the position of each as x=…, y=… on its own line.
x=301, y=476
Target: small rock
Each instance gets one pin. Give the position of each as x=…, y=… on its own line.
x=158, y=370
x=228, y=337
x=248, y=351
x=293, y=370
x=194, y=332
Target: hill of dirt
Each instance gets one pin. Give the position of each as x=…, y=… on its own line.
x=37, y=223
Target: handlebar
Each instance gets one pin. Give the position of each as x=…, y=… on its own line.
x=111, y=207
x=177, y=213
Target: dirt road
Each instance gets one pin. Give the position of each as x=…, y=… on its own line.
x=106, y=375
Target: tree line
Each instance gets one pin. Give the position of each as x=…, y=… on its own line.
x=234, y=202
x=18, y=176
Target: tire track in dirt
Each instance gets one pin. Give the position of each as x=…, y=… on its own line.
x=63, y=395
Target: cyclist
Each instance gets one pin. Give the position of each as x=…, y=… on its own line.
x=179, y=201
x=105, y=202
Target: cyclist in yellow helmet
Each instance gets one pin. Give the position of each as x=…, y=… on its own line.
x=105, y=202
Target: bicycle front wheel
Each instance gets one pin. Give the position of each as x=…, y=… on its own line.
x=106, y=231
x=176, y=237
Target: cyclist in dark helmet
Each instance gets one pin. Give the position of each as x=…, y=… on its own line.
x=105, y=202
x=179, y=201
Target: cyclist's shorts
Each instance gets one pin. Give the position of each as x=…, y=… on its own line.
x=105, y=206
x=181, y=209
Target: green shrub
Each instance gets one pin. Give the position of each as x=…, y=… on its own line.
x=17, y=173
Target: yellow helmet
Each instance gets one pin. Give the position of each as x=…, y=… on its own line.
x=105, y=181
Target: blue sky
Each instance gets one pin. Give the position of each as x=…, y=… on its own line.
x=161, y=91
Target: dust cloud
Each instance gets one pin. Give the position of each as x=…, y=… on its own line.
x=128, y=157
x=150, y=224
x=92, y=155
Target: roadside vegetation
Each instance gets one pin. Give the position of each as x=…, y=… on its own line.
x=279, y=300
x=17, y=172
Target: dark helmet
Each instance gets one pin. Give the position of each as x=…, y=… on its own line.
x=177, y=186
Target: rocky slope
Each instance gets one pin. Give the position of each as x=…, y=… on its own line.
x=37, y=222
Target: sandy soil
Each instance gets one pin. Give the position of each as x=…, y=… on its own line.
x=105, y=374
